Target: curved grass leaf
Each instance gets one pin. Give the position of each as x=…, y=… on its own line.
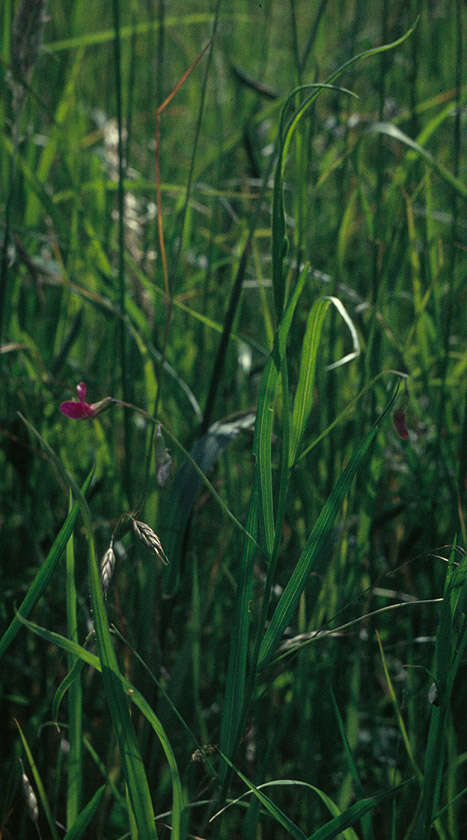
x=317, y=546
x=91, y=39
x=391, y=130
x=279, y=244
x=45, y=572
x=349, y=407
x=75, y=697
x=304, y=393
x=349, y=817
x=84, y=818
x=275, y=812
x=69, y=680
x=349, y=834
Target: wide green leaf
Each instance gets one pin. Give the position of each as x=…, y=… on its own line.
x=304, y=393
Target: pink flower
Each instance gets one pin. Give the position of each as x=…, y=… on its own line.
x=82, y=410
x=398, y=419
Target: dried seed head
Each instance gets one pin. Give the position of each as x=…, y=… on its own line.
x=206, y=749
x=30, y=796
x=107, y=567
x=150, y=538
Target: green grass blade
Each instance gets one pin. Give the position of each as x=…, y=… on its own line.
x=45, y=572
x=84, y=818
x=49, y=152
x=391, y=130
x=372, y=51
x=233, y=707
x=92, y=39
x=349, y=817
x=306, y=377
x=265, y=420
x=315, y=549
x=346, y=411
x=75, y=696
x=367, y=825
x=451, y=641
x=65, y=686
x=135, y=775
x=279, y=241
x=400, y=720
x=333, y=809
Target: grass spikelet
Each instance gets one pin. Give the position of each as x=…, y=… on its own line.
x=163, y=459
x=149, y=537
x=107, y=567
x=29, y=795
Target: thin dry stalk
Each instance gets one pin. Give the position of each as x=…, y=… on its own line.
x=159, y=111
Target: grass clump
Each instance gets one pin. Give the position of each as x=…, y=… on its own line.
x=246, y=243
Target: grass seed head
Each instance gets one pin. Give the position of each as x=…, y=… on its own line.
x=149, y=537
x=107, y=567
x=163, y=459
x=30, y=796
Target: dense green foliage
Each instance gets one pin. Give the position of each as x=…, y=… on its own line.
x=258, y=272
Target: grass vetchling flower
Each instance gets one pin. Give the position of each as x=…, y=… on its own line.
x=82, y=410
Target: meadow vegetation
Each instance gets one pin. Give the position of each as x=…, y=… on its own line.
x=233, y=565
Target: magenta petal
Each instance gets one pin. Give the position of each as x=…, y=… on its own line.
x=81, y=391
x=76, y=410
